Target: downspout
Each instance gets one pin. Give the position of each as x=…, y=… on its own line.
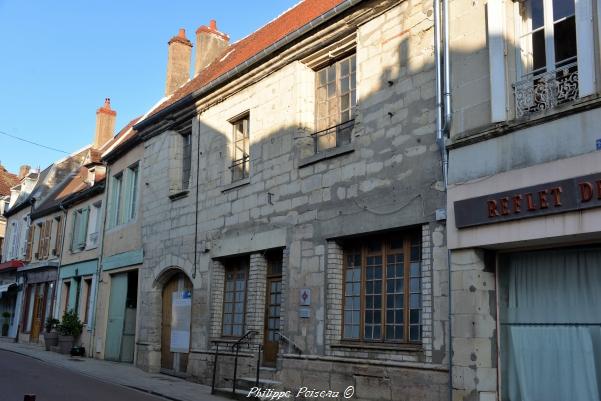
x=443, y=128
x=196, y=200
x=60, y=261
x=100, y=254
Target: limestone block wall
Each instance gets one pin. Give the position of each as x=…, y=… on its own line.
x=474, y=327
x=388, y=179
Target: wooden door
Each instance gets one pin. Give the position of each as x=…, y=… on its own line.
x=166, y=354
x=38, y=313
x=273, y=303
x=116, y=317
x=172, y=361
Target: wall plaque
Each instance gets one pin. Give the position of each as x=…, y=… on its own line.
x=538, y=200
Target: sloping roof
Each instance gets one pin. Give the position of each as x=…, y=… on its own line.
x=7, y=180
x=242, y=50
x=124, y=135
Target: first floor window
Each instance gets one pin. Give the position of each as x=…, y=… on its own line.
x=382, y=289
x=241, y=149
x=234, y=303
x=550, y=324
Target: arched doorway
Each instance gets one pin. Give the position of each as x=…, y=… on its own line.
x=176, y=319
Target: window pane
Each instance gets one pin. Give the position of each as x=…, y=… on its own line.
x=565, y=39
x=562, y=9
x=538, y=50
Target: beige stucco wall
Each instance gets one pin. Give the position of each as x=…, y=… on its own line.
x=572, y=226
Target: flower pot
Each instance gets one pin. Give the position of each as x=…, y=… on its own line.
x=65, y=343
x=50, y=340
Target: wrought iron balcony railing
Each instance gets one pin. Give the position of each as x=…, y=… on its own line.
x=332, y=137
x=546, y=91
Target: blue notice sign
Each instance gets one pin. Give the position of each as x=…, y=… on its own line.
x=598, y=142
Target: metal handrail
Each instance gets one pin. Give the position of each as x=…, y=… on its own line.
x=247, y=336
x=336, y=130
x=289, y=341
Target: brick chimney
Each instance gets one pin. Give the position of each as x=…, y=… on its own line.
x=23, y=171
x=178, y=62
x=210, y=43
x=105, y=124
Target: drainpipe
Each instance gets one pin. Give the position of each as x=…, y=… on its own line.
x=443, y=127
x=100, y=254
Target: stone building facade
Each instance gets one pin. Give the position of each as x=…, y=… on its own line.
x=523, y=222
x=319, y=243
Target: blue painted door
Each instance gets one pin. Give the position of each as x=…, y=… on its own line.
x=116, y=318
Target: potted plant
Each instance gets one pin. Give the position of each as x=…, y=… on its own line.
x=68, y=329
x=50, y=334
x=5, y=323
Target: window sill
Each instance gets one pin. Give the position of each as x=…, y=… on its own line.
x=326, y=154
x=378, y=347
x=179, y=194
x=236, y=184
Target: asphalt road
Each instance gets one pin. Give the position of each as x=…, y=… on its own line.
x=21, y=375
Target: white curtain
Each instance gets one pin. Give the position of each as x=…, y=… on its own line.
x=551, y=326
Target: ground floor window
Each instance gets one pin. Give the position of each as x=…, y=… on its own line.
x=234, y=301
x=382, y=288
x=550, y=321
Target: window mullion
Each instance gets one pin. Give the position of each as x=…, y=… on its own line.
x=363, y=251
x=549, y=35
x=406, y=287
x=384, y=293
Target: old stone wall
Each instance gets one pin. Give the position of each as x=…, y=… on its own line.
x=388, y=178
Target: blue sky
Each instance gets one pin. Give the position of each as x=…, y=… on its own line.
x=60, y=59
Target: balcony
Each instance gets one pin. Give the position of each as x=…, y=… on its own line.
x=333, y=137
x=546, y=91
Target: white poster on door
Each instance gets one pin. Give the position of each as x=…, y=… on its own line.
x=181, y=311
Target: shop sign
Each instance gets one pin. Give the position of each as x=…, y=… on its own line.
x=578, y=193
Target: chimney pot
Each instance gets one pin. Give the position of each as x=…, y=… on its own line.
x=23, y=171
x=105, y=124
x=210, y=44
x=178, y=62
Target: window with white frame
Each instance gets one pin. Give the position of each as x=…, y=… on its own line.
x=93, y=226
x=554, y=67
x=124, y=196
x=80, y=219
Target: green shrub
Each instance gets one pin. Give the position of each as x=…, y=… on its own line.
x=70, y=324
x=51, y=324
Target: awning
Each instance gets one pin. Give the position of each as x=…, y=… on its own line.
x=11, y=264
x=5, y=287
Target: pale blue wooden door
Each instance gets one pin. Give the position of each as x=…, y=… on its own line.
x=114, y=328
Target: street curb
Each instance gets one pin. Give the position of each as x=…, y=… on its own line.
x=100, y=379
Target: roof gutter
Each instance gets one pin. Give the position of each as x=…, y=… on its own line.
x=262, y=55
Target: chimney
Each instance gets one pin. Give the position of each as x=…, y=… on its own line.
x=23, y=171
x=105, y=124
x=210, y=43
x=178, y=62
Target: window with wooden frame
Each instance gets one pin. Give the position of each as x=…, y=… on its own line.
x=58, y=239
x=382, y=289
x=335, y=102
x=44, y=239
x=80, y=228
x=186, y=159
x=234, y=300
x=29, y=246
x=87, y=284
x=241, y=148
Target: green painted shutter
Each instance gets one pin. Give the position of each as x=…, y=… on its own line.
x=73, y=230
x=83, y=232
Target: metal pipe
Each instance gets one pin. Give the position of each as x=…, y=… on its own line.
x=447, y=67
x=437, y=63
x=214, y=369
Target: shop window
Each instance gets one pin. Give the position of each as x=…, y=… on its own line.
x=550, y=325
x=382, y=289
x=335, y=101
x=234, y=301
